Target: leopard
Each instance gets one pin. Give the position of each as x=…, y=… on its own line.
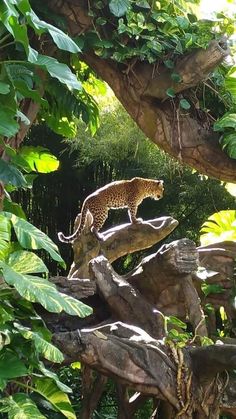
x=118, y=194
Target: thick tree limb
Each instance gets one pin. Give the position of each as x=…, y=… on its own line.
x=183, y=135
x=213, y=359
x=117, y=241
x=135, y=359
x=193, y=69
x=124, y=357
x=126, y=302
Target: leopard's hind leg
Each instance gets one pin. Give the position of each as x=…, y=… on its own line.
x=99, y=218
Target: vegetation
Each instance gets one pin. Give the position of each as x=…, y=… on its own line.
x=135, y=47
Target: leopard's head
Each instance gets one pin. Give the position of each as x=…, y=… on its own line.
x=157, y=189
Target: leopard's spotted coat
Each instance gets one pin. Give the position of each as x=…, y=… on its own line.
x=120, y=194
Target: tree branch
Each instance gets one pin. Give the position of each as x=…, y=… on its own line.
x=181, y=134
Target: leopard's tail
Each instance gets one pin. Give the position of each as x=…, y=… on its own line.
x=76, y=234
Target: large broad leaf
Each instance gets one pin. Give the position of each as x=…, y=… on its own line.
x=60, y=401
x=75, y=307
x=59, y=71
x=39, y=159
x=36, y=289
x=9, y=174
x=62, y=40
x=20, y=406
x=26, y=262
x=219, y=227
x=230, y=83
x=8, y=124
x=11, y=366
x=26, y=91
x=13, y=207
x=31, y=237
x=119, y=7
x=227, y=121
x=54, y=377
x=42, y=346
x=5, y=235
x=228, y=143
x=10, y=18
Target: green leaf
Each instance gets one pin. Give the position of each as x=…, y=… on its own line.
x=228, y=142
x=184, y=104
x=36, y=289
x=11, y=366
x=26, y=262
x=26, y=91
x=230, y=83
x=49, y=351
x=211, y=289
x=176, y=77
x=227, y=121
x=31, y=237
x=101, y=21
x=9, y=174
x=59, y=71
x=5, y=236
x=169, y=64
x=33, y=288
x=62, y=40
x=13, y=207
x=6, y=315
x=177, y=322
x=20, y=406
x=59, y=400
x=50, y=374
x=39, y=159
x=119, y=7
x=221, y=226
x=19, y=31
x=170, y=92
x=75, y=307
x=4, y=88
x=8, y=125
x=143, y=3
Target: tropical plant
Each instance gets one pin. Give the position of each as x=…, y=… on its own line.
x=24, y=337
x=219, y=227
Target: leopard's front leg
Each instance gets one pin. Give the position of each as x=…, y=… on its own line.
x=132, y=211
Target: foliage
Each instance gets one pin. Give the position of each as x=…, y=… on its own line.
x=151, y=30
x=24, y=338
x=157, y=34
x=221, y=226
x=160, y=33
x=26, y=73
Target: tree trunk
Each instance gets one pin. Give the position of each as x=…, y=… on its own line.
x=141, y=88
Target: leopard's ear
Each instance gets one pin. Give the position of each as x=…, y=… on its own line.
x=160, y=182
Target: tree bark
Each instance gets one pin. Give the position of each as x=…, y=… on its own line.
x=141, y=88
